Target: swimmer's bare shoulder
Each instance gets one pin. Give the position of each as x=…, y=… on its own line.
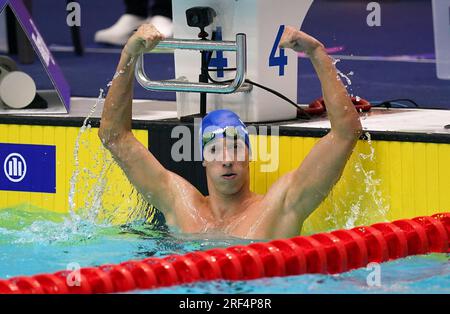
x=156, y=184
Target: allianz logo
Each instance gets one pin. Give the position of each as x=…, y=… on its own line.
x=15, y=167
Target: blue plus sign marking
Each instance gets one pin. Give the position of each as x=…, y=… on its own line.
x=219, y=61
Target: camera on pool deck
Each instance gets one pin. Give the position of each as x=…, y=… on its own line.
x=200, y=16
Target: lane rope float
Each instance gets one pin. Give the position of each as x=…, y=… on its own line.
x=327, y=253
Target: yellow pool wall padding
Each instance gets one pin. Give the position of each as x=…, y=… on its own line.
x=93, y=161
x=398, y=180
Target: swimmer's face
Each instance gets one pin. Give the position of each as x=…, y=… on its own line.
x=227, y=164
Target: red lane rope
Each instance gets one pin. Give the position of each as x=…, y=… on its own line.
x=327, y=253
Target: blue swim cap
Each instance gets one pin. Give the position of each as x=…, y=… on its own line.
x=218, y=124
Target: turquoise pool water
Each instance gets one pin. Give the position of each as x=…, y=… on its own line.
x=34, y=242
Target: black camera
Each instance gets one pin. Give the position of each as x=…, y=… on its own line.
x=200, y=16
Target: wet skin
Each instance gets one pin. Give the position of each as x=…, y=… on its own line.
x=231, y=207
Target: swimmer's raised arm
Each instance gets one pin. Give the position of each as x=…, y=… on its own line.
x=141, y=167
x=307, y=186
x=116, y=117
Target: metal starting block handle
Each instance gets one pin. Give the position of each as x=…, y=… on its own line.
x=237, y=85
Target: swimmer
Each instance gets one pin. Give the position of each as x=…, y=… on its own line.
x=231, y=207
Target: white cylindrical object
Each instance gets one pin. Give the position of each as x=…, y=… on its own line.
x=17, y=90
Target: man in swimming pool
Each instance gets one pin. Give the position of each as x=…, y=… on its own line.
x=231, y=207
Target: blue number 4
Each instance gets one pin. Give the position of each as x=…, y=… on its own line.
x=219, y=61
x=281, y=60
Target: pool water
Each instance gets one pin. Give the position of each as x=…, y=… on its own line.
x=38, y=241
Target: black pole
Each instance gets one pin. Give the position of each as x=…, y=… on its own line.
x=203, y=78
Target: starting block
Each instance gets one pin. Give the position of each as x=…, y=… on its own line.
x=247, y=35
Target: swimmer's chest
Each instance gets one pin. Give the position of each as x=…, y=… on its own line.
x=260, y=221
x=252, y=223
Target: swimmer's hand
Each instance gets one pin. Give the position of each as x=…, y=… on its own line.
x=143, y=40
x=299, y=41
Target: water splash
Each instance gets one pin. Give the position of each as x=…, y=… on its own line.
x=362, y=203
x=346, y=77
x=33, y=225
x=143, y=213
x=371, y=184
x=360, y=200
x=92, y=209
x=341, y=75
x=371, y=193
x=120, y=72
x=76, y=172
